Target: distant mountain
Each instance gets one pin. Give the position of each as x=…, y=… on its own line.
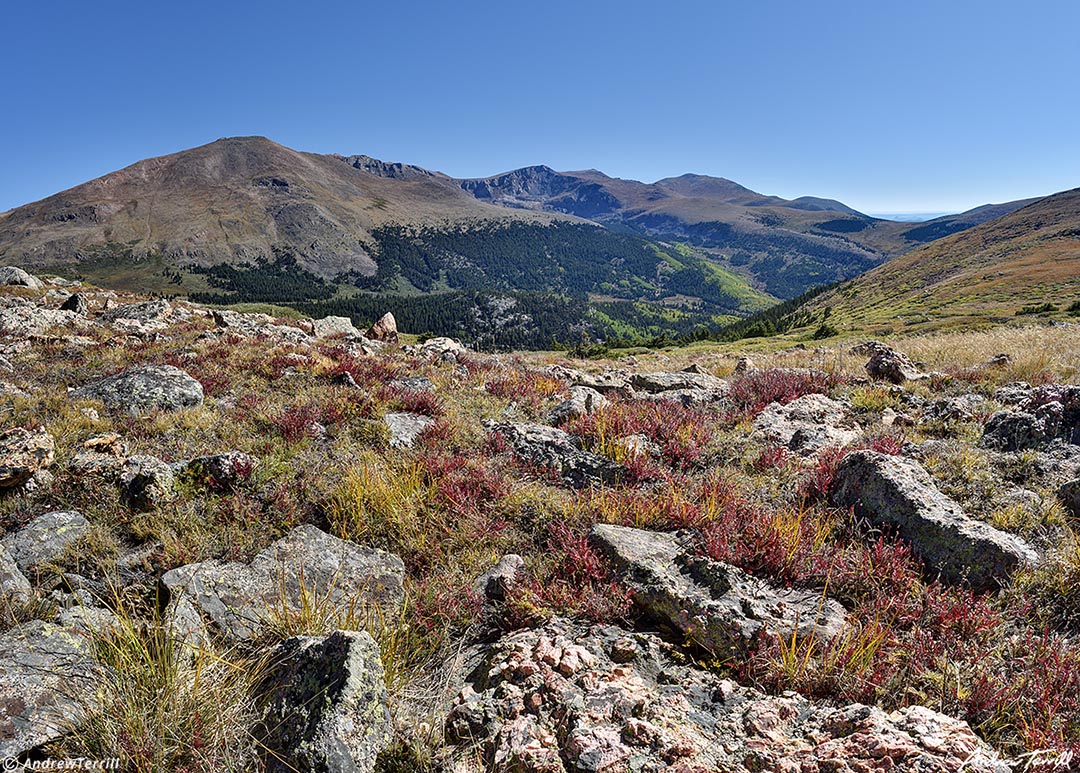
x=1023, y=261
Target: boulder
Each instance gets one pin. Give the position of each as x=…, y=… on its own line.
x=1011, y=430
x=76, y=303
x=23, y=453
x=29, y=321
x=552, y=449
x=46, y=538
x=807, y=424
x=406, y=428
x=384, y=329
x=258, y=326
x=146, y=389
x=12, y=581
x=439, y=348
x=12, y=276
x=899, y=494
x=890, y=365
x=325, y=705
x=335, y=327
x=237, y=598
x=572, y=697
x=583, y=400
x=157, y=310
x=218, y=471
x=411, y=384
x=718, y=607
x=48, y=677
x=146, y=482
x=667, y=381
x=496, y=581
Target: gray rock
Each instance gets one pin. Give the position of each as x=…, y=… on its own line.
x=1017, y=431
x=496, y=581
x=12, y=276
x=898, y=493
x=12, y=581
x=146, y=389
x=952, y=409
x=28, y=321
x=385, y=330
x=411, y=384
x=566, y=697
x=715, y=605
x=807, y=424
x=238, y=598
x=583, y=400
x=552, y=449
x=48, y=676
x=331, y=327
x=46, y=538
x=1013, y=393
x=76, y=303
x=635, y=446
x=221, y=470
x=893, y=366
x=438, y=348
x=406, y=428
x=23, y=453
x=146, y=482
x=325, y=705
x=157, y=310
x=258, y=326
x=666, y=381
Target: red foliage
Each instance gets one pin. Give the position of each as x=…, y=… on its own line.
x=682, y=433
x=751, y=392
x=771, y=458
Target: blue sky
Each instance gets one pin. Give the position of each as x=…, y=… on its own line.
x=890, y=107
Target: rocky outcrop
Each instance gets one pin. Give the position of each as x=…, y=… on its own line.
x=807, y=424
x=899, y=494
x=384, y=330
x=583, y=400
x=22, y=322
x=12, y=276
x=238, y=598
x=258, y=326
x=146, y=389
x=573, y=698
x=890, y=365
x=335, y=327
x=406, y=428
x=666, y=381
x=46, y=538
x=23, y=453
x=439, y=348
x=716, y=606
x=324, y=705
x=13, y=582
x=146, y=482
x=552, y=449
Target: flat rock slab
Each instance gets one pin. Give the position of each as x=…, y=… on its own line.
x=46, y=538
x=325, y=705
x=717, y=606
x=239, y=598
x=807, y=424
x=47, y=678
x=406, y=428
x=566, y=697
x=144, y=390
x=665, y=381
x=552, y=449
x=898, y=493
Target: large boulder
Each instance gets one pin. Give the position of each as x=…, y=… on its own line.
x=139, y=318
x=13, y=276
x=46, y=538
x=807, y=424
x=146, y=389
x=23, y=453
x=384, y=329
x=890, y=365
x=899, y=494
x=251, y=325
x=665, y=381
x=30, y=321
x=566, y=697
x=552, y=449
x=583, y=400
x=238, y=598
x=76, y=303
x=335, y=327
x=48, y=676
x=325, y=705
x=716, y=606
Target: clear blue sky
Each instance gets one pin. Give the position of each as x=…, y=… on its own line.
x=890, y=107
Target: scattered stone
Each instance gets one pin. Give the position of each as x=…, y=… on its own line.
x=666, y=381
x=102, y=455
x=12, y=581
x=146, y=483
x=335, y=327
x=23, y=453
x=406, y=428
x=325, y=705
x=565, y=697
x=715, y=605
x=549, y=448
x=385, y=330
x=496, y=581
x=258, y=326
x=76, y=303
x=954, y=409
x=48, y=676
x=45, y=539
x=807, y=424
x=439, y=348
x=898, y=493
x=412, y=384
x=221, y=470
x=1013, y=393
x=12, y=276
x=237, y=598
x=146, y=389
x=345, y=379
x=890, y=365
x=999, y=360
x=583, y=400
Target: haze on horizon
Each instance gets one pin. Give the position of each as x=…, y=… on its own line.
x=924, y=107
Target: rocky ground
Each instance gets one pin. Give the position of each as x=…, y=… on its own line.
x=234, y=542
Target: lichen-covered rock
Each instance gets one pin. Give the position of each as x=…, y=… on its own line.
x=12, y=581
x=411, y=384
x=335, y=327
x=567, y=697
x=237, y=598
x=28, y=321
x=666, y=381
x=384, y=329
x=898, y=493
x=258, y=326
x=583, y=400
x=325, y=705
x=13, y=276
x=46, y=538
x=807, y=424
x=890, y=365
x=406, y=428
x=496, y=581
x=76, y=303
x=221, y=470
x=23, y=453
x=145, y=316
x=146, y=482
x=552, y=449
x=48, y=675
x=717, y=606
x=146, y=389
x=438, y=348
